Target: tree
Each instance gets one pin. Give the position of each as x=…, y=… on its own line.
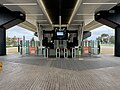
x=14, y=42
x=105, y=38
x=104, y=35
x=99, y=38
x=112, y=39
x=11, y=41
x=8, y=41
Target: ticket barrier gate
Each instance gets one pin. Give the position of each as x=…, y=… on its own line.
x=90, y=48
x=73, y=53
x=57, y=53
x=95, y=51
x=65, y=53
x=45, y=52
x=95, y=47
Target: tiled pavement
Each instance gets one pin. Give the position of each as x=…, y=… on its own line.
x=35, y=73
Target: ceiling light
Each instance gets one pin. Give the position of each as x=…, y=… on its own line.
x=99, y=3
x=74, y=11
x=86, y=14
x=22, y=4
x=34, y=14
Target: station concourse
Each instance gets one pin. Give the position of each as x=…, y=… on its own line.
x=62, y=59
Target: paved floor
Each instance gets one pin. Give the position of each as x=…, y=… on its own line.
x=12, y=50
x=35, y=73
x=107, y=50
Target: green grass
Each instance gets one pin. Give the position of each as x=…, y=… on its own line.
x=9, y=46
x=107, y=45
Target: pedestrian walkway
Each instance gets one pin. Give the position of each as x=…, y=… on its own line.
x=33, y=73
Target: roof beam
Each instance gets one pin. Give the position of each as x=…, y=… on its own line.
x=74, y=11
x=42, y=6
x=92, y=25
x=28, y=25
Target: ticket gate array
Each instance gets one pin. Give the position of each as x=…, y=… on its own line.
x=61, y=53
x=58, y=53
x=33, y=48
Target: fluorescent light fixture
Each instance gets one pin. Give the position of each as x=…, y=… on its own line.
x=35, y=14
x=85, y=14
x=78, y=20
x=74, y=11
x=99, y=3
x=20, y=4
x=43, y=6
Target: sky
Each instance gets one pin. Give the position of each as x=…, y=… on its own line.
x=19, y=32
x=98, y=31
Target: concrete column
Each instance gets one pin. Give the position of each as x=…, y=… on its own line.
x=2, y=41
x=40, y=34
x=117, y=41
x=80, y=35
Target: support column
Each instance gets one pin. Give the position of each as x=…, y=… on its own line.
x=40, y=34
x=117, y=42
x=80, y=34
x=2, y=41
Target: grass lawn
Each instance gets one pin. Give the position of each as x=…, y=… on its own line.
x=107, y=45
x=9, y=46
